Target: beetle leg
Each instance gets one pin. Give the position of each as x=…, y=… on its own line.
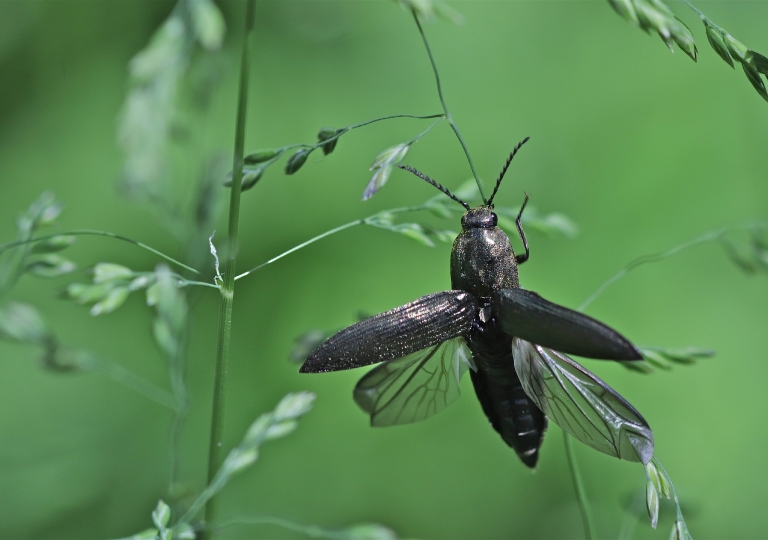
x=522, y=258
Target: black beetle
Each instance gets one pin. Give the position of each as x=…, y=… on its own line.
x=511, y=340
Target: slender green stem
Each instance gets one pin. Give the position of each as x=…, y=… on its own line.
x=402, y=210
x=445, y=107
x=280, y=151
x=230, y=267
x=703, y=17
x=645, y=259
x=186, y=283
x=215, y=485
x=355, y=126
x=420, y=135
x=679, y=511
x=302, y=245
x=710, y=236
x=313, y=531
x=12, y=268
x=88, y=232
x=581, y=494
x=129, y=379
x=330, y=232
x=361, y=124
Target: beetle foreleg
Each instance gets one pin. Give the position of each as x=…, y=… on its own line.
x=522, y=258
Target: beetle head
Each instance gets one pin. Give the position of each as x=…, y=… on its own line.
x=481, y=217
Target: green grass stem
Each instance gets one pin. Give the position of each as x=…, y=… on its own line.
x=581, y=493
x=89, y=232
x=230, y=267
x=130, y=380
x=331, y=232
x=312, y=531
x=445, y=106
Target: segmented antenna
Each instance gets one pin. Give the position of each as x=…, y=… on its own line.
x=506, y=166
x=438, y=186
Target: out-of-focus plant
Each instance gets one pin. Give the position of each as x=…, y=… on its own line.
x=656, y=16
x=269, y=426
x=168, y=93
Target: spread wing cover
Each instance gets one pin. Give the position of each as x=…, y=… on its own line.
x=415, y=387
x=581, y=404
x=425, y=322
x=527, y=315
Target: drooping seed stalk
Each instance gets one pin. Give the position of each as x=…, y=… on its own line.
x=445, y=106
x=90, y=232
x=230, y=267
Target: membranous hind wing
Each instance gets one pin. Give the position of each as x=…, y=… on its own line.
x=415, y=387
x=420, y=324
x=581, y=404
x=527, y=315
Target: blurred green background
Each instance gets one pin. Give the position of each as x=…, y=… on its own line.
x=642, y=148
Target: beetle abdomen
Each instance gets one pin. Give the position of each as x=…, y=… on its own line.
x=512, y=414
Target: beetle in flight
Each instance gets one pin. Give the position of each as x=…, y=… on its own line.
x=513, y=342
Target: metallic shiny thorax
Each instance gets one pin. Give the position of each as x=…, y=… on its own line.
x=482, y=259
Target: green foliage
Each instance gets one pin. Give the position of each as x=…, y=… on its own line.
x=170, y=324
x=251, y=175
x=664, y=359
x=53, y=244
x=362, y=531
x=729, y=49
x=282, y=421
x=297, y=160
x=260, y=156
x=153, y=115
x=383, y=166
x=112, y=284
x=552, y=224
x=160, y=517
x=21, y=322
x=429, y=9
x=268, y=426
x=752, y=258
x=659, y=486
x=421, y=233
x=207, y=22
x=49, y=265
x=656, y=16
x=26, y=256
x=328, y=137
x=443, y=207
x=150, y=106
x=256, y=163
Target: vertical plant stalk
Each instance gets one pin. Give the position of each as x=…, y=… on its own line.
x=227, y=288
x=177, y=375
x=578, y=485
x=445, y=107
